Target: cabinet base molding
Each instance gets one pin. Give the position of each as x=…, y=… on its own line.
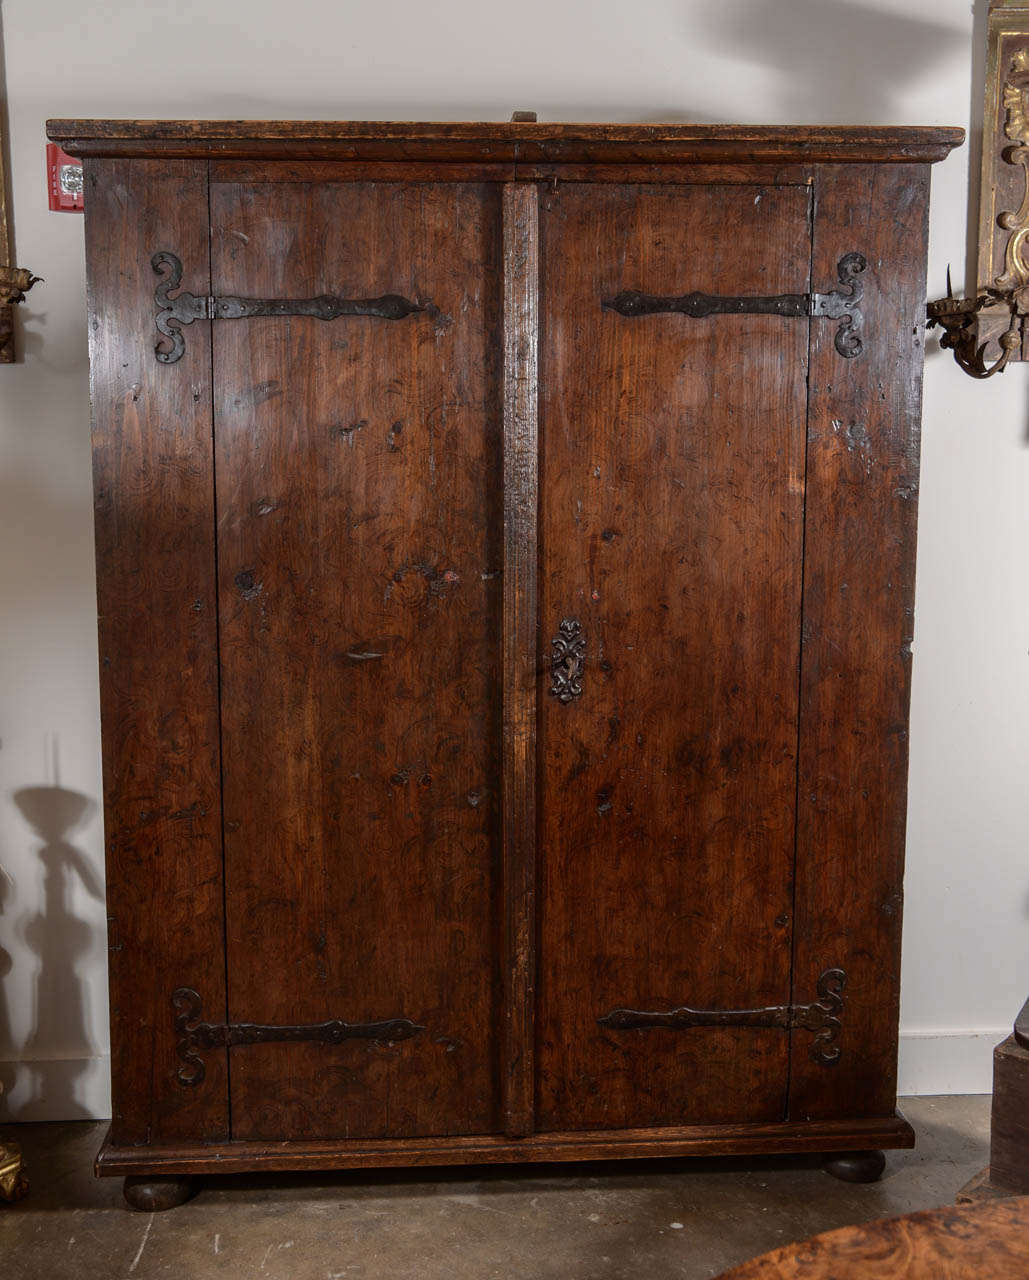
x=628, y=1144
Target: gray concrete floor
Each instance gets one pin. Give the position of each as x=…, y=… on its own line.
x=641, y=1219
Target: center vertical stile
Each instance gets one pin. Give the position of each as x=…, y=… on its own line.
x=521, y=485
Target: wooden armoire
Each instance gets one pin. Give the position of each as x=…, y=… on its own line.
x=505, y=538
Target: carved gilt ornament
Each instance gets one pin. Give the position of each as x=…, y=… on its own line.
x=986, y=331
x=1016, y=127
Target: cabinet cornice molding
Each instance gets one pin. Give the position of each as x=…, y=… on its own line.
x=507, y=142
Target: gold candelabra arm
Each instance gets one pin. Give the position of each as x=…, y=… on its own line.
x=971, y=325
x=15, y=282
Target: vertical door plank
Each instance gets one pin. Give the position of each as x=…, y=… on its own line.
x=154, y=493
x=521, y=330
x=672, y=454
x=862, y=481
x=360, y=550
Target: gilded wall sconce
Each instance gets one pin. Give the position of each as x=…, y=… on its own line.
x=988, y=331
x=15, y=282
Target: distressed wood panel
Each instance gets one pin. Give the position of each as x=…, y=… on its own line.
x=289, y=170
x=859, y=579
x=154, y=495
x=671, y=527
x=632, y=1144
x=1008, y=1170
x=458, y=141
x=360, y=554
x=413, y=825
x=521, y=500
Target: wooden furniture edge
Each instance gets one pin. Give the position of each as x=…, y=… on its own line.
x=293, y=169
x=987, y=1241
x=501, y=142
x=639, y=1144
x=520, y=317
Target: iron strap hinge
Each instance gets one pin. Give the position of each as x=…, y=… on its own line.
x=173, y=313
x=195, y=1035
x=822, y=1017
x=841, y=304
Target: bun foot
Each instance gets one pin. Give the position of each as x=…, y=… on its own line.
x=855, y=1166
x=154, y=1195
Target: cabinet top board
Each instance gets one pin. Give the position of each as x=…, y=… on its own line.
x=508, y=142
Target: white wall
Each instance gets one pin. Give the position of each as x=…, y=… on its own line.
x=756, y=61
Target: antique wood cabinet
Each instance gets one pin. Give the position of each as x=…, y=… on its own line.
x=505, y=539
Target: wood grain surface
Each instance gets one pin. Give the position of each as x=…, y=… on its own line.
x=1009, y=1124
x=567, y=143
x=154, y=496
x=521, y=502
x=864, y=419
x=626, y=1144
x=360, y=560
x=964, y=1242
x=292, y=170
x=672, y=524
x=333, y=556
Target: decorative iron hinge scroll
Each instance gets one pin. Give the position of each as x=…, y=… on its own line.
x=822, y=1017
x=567, y=661
x=173, y=313
x=841, y=304
x=195, y=1035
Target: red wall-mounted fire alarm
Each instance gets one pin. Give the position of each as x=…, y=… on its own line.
x=64, y=180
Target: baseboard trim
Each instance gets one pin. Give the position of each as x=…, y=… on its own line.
x=56, y=1088
x=935, y=1062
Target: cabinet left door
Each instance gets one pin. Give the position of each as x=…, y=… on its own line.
x=157, y=603
x=359, y=518
x=299, y=534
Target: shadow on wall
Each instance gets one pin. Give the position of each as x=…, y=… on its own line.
x=61, y=939
x=6, y=1035
x=839, y=62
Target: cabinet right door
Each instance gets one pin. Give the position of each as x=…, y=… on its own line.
x=672, y=532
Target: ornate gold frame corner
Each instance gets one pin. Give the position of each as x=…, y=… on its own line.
x=15, y=282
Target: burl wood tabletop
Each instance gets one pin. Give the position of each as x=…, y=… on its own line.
x=987, y=1241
